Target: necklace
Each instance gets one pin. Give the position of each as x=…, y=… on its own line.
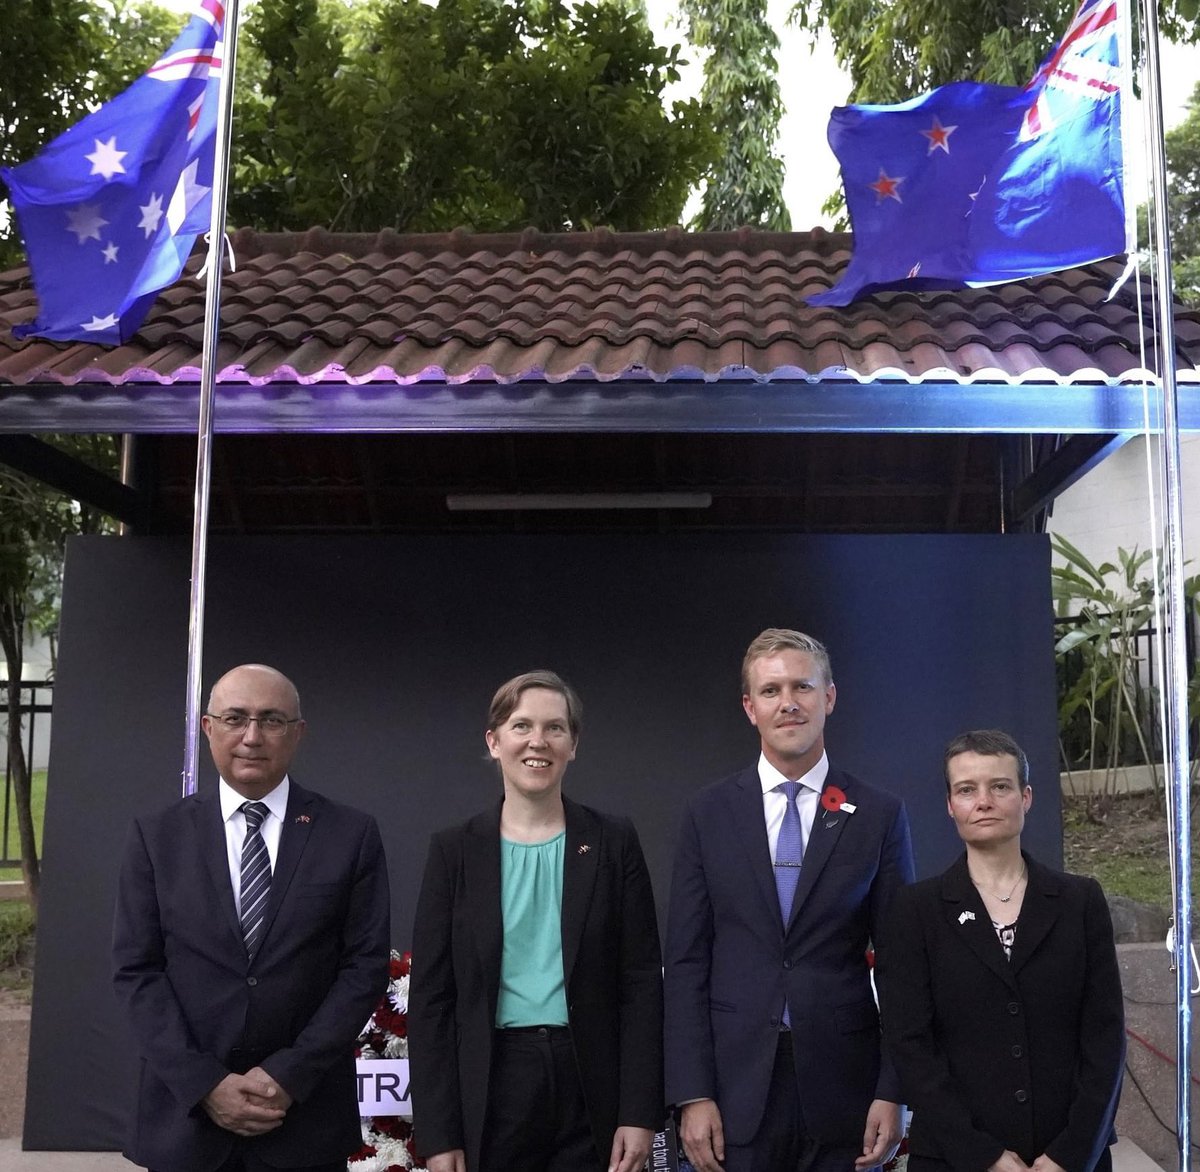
x=1012, y=890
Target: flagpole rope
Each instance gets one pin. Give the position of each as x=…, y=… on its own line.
x=1175, y=746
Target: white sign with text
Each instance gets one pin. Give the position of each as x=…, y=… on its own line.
x=383, y=1087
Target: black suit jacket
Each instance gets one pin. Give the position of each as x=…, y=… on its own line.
x=730, y=960
x=199, y=1009
x=1023, y=1054
x=611, y=962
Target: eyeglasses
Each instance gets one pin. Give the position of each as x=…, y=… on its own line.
x=271, y=725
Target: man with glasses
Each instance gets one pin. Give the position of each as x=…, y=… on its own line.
x=250, y=945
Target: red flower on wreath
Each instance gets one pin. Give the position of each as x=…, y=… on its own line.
x=390, y=1021
x=832, y=798
x=398, y=966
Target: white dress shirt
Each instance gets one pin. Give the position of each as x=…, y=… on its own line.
x=775, y=800
x=235, y=829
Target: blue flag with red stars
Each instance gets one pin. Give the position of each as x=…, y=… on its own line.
x=110, y=209
x=976, y=184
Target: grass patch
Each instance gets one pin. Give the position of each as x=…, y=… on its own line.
x=1123, y=846
x=12, y=848
x=16, y=948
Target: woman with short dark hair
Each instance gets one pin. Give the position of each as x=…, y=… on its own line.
x=999, y=991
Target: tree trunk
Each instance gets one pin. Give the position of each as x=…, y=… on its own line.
x=12, y=615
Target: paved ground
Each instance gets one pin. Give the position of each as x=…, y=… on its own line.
x=1145, y=1121
x=1147, y=1112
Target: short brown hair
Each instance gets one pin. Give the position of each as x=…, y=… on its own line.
x=987, y=742
x=508, y=696
x=776, y=639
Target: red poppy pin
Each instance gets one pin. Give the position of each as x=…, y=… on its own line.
x=303, y=818
x=834, y=800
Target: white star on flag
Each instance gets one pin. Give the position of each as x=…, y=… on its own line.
x=110, y=254
x=188, y=193
x=85, y=221
x=100, y=323
x=106, y=159
x=151, y=215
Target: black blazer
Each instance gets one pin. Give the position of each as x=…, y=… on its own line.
x=200, y=1010
x=1023, y=1054
x=731, y=960
x=611, y=960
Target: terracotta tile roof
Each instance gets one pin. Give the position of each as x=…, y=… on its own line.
x=360, y=308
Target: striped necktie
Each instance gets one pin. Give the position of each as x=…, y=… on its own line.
x=256, y=876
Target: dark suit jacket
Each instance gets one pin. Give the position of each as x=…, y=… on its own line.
x=199, y=1009
x=1024, y=1054
x=730, y=962
x=611, y=960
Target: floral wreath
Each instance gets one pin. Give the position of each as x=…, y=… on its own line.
x=387, y=1139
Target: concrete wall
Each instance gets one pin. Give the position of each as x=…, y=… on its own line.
x=1109, y=508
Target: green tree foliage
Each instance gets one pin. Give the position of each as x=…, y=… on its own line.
x=896, y=49
x=741, y=88
x=1183, y=187
x=59, y=60
x=35, y=523
x=484, y=113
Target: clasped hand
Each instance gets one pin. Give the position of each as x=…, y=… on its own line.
x=247, y=1104
x=1011, y=1162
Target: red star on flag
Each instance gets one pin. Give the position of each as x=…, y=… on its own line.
x=939, y=136
x=887, y=186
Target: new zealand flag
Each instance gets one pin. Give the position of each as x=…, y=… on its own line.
x=975, y=184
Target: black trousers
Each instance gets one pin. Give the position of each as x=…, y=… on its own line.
x=782, y=1144
x=537, y=1120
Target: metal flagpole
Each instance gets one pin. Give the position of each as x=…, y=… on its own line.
x=212, y=327
x=1175, y=675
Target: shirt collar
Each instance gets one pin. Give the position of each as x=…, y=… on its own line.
x=770, y=778
x=276, y=801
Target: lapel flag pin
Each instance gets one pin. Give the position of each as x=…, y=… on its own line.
x=303, y=818
x=583, y=850
x=965, y=917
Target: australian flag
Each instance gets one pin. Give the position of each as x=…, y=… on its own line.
x=110, y=209
x=975, y=184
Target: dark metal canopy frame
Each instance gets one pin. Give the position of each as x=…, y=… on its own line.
x=599, y=334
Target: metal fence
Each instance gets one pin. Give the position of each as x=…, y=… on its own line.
x=36, y=701
x=1139, y=724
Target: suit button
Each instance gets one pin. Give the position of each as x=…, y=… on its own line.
x=1021, y=1096
x=1014, y=1008
x=1017, y=1052
x=774, y=1023
x=251, y=981
x=787, y=964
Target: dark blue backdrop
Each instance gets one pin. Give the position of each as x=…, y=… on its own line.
x=397, y=644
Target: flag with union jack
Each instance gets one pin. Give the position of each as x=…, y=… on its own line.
x=975, y=184
x=110, y=209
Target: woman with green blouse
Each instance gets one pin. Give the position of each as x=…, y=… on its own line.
x=535, y=1013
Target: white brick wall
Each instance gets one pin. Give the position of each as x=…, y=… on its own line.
x=1109, y=509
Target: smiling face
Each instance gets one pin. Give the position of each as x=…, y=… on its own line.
x=788, y=702
x=249, y=760
x=534, y=745
x=986, y=800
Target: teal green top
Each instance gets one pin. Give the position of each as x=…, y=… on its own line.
x=531, y=966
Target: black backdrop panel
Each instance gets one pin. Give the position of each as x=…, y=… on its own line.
x=397, y=645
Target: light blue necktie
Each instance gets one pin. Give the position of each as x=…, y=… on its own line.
x=789, y=854
x=256, y=876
